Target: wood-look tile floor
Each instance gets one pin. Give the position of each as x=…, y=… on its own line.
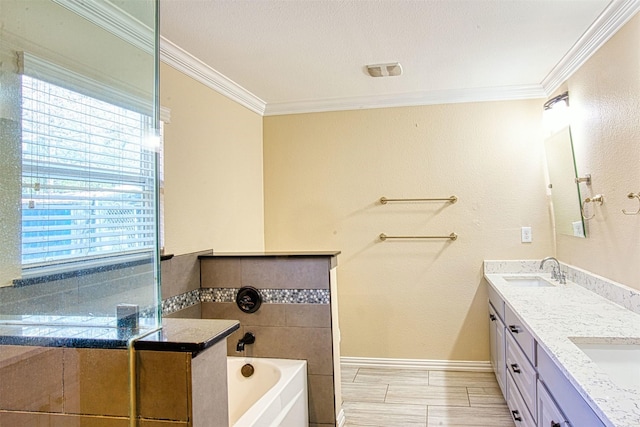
x=385, y=397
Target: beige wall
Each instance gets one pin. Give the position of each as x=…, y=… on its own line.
x=325, y=172
x=605, y=101
x=213, y=169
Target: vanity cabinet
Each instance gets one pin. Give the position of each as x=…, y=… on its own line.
x=536, y=391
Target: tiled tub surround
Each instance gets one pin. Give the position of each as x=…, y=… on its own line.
x=269, y=296
x=94, y=294
x=295, y=320
x=583, y=310
x=181, y=378
x=180, y=277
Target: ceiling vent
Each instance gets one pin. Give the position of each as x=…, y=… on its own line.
x=384, y=70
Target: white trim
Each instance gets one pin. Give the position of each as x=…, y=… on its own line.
x=418, y=364
x=128, y=28
x=183, y=61
x=113, y=19
x=106, y=89
x=341, y=419
x=119, y=23
x=617, y=13
x=165, y=114
x=454, y=96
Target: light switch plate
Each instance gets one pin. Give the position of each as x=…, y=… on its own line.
x=526, y=234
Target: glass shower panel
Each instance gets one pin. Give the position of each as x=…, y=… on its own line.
x=79, y=269
x=79, y=150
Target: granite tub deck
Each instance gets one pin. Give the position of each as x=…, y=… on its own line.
x=561, y=315
x=182, y=335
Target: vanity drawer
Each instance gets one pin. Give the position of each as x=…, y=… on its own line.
x=517, y=408
x=520, y=333
x=523, y=373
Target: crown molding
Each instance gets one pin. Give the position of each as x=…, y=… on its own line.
x=617, y=13
x=119, y=23
x=453, y=96
x=113, y=19
x=173, y=55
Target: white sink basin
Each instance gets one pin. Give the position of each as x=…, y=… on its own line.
x=620, y=361
x=528, y=282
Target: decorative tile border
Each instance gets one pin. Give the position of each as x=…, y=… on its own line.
x=218, y=294
x=615, y=292
x=180, y=302
x=269, y=296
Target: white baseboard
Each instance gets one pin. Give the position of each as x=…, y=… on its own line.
x=341, y=418
x=422, y=364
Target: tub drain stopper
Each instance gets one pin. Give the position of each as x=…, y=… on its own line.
x=247, y=370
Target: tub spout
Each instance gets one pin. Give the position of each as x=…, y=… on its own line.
x=248, y=338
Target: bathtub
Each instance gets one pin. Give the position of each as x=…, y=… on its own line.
x=275, y=395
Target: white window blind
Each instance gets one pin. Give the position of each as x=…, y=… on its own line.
x=88, y=177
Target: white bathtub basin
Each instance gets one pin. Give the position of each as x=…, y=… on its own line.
x=274, y=396
x=527, y=282
x=620, y=361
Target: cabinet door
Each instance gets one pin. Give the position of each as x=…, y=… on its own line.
x=549, y=414
x=497, y=348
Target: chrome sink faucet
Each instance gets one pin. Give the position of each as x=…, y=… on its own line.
x=556, y=273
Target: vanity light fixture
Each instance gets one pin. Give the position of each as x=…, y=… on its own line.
x=556, y=113
x=384, y=70
x=563, y=97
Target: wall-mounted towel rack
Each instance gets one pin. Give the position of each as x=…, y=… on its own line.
x=633, y=196
x=452, y=199
x=598, y=198
x=452, y=236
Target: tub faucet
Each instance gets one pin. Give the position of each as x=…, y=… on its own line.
x=556, y=273
x=248, y=338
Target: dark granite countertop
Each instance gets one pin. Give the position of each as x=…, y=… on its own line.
x=188, y=335
x=192, y=335
x=273, y=254
x=277, y=254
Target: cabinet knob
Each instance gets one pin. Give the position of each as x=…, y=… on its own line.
x=514, y=329
x=516, y=415
x=516, y=369
x=492, y=317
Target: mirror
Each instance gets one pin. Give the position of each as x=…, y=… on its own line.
x=565, y=191
x=78, y=155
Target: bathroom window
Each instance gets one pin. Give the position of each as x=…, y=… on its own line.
x=88, y=180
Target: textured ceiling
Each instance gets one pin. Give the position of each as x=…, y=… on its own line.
x=315, y=50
